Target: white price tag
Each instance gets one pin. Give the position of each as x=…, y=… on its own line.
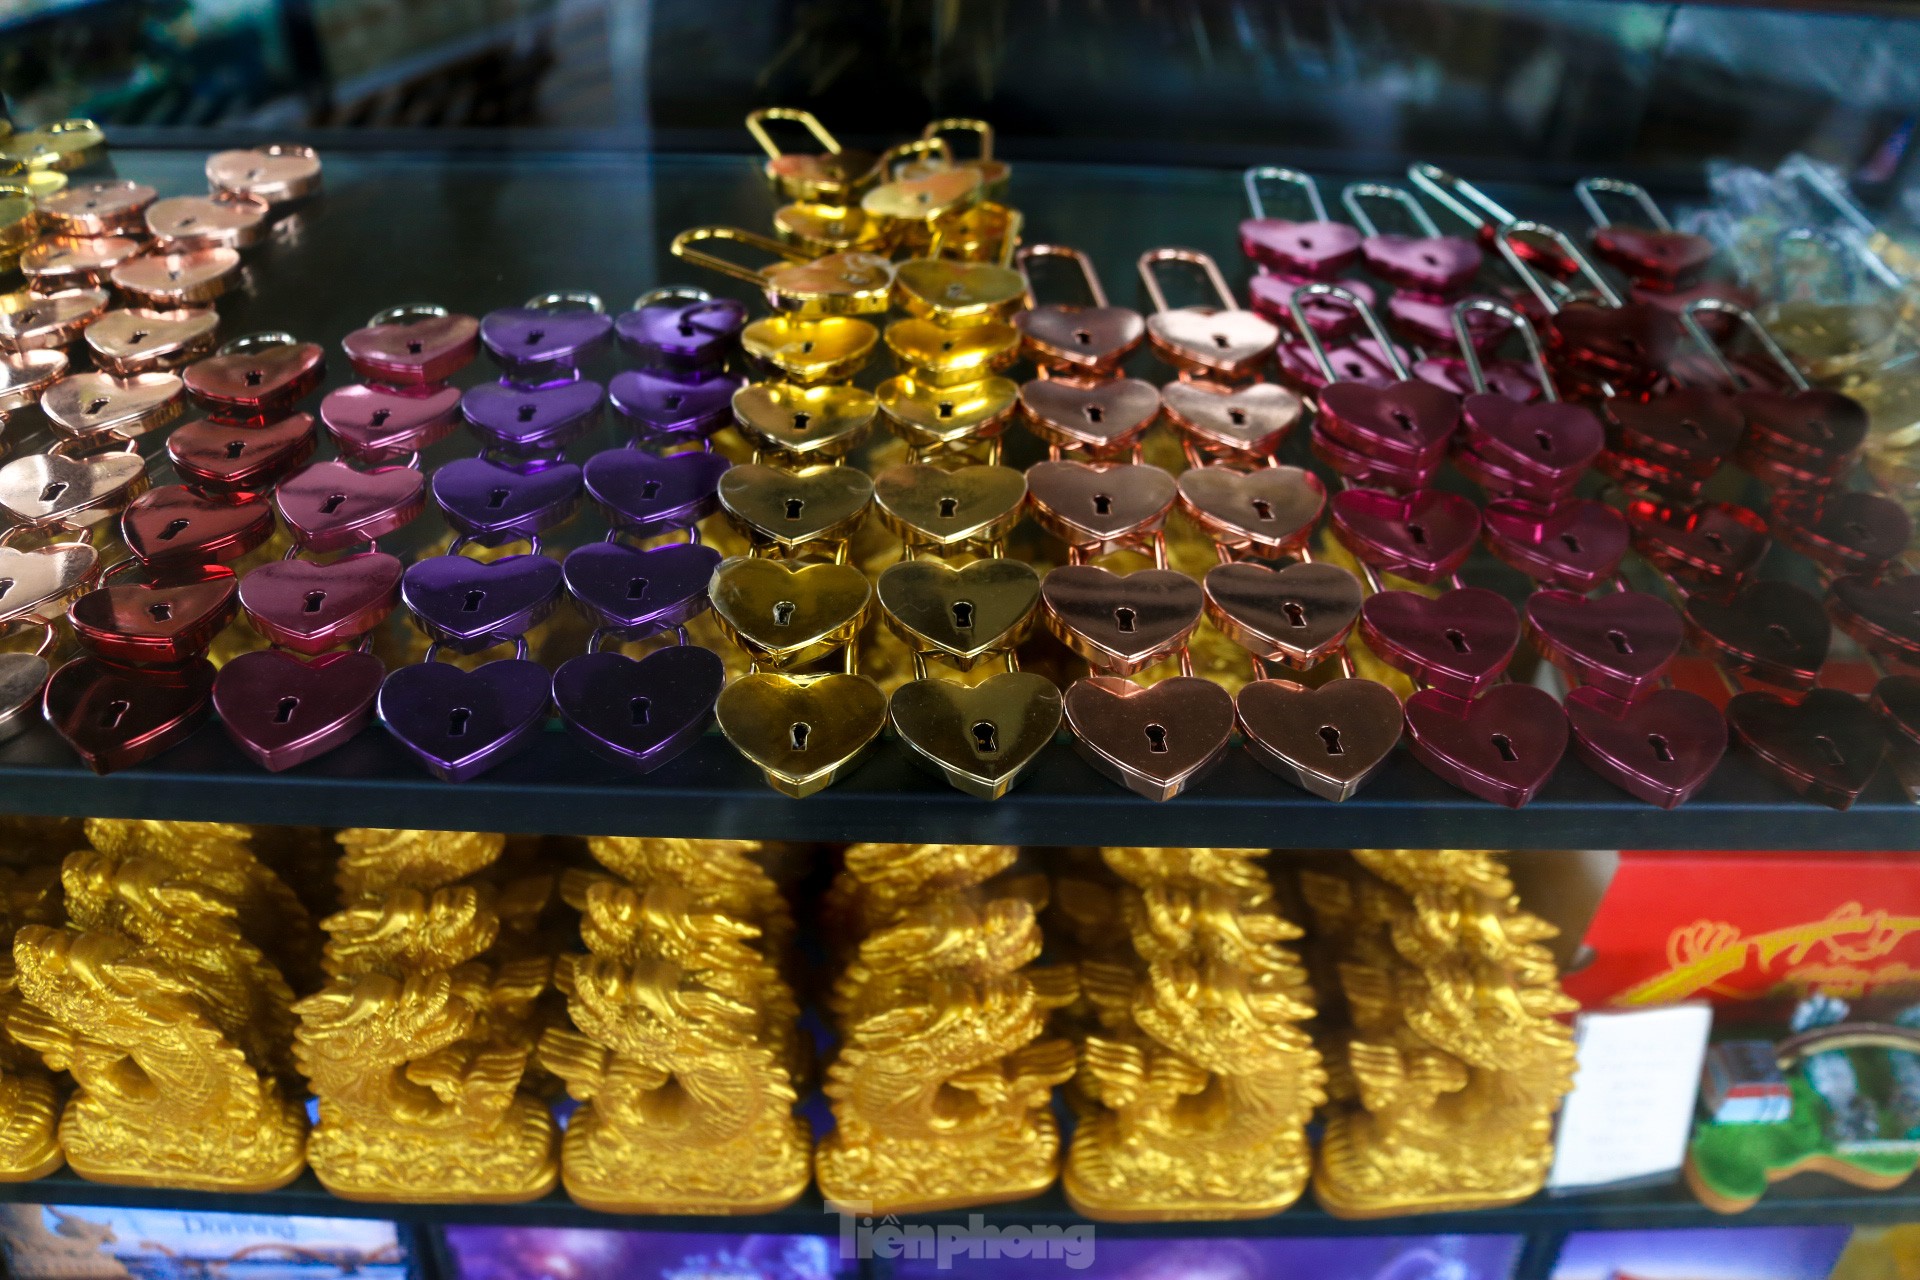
x=1631, y=1110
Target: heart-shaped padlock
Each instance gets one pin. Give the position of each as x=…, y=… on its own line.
x=23, y=685
x=788, y=615
x=1654, y=255
x=1095, y=506
x=982, y=737
x=1827, y=746
x=935, y=417
x=1896, y=700
x=53, y=492
x=385, y=424
x=1103, y=418
x=1621, y=644
x=547, y=338
x=1882, y=616
x=1661, y=747
x=837, y=284
x=1358, y=468
x=1429, y=321
x=1844, y=532
x=310, y=607
x=43, y=581
x=34, y=321
x=958, y=294
x=1298, y=615
x=1428, y=263
x=819, y=349
x=224, y=220
x=1554, y=441
x=54, y=263
x=962, y=614
x=1225, y=341
x=1317, y=250
x=1071, y=338
x=1823, y=429
x=784, y=508
x=634, y=592
x=805, y=732
x=256, y=377
x=1424, y=536
x=468, y=605
x=1715, y=545
x=944, y=357
x=1576, y=543
x=681, y=329
x=491, y=502
x=1408, y=421
x=1155, y=740
x=222, y=458
x=1327, y=740
x=1249, y=421
x=278, y=173
x=173, y=525
x=639, y=714
x=532, y=420
x=1496, y=475
x=808, y=422
x=171, y=618
x=115, y=716
x=110, y=207
x=1501, y=746
x=1271, y=295
x=191, y=278
x=1121, y=622
x=645, y=493
x=1507, y=378
x=1637, y=476
x=663, y=406
x=100, y=407
x=411, y=346
x=1363, y=359
x=1774, y=631
x=1459, y=642
x=1630, y=345
x=460, y=723
x=58, y=147
x=929, y=506
x=330, y=506
x=1273, y=508
x=23, y=377
x=283, y=710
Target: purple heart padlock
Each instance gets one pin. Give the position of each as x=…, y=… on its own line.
x=492, y=502
x=462, y=723
x=647, y=493
x=681, y=329
x=527, y=420
x=470, y=605
x=642, y=713
x=666, y=406
x=548, y=338
x=635, y=591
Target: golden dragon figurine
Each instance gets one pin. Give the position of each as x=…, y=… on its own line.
x=942, y=1086
x=684, y=1047
x=29, y=1104
x=417, y=1045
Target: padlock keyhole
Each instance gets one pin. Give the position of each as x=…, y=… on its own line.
x=650, y=490
x=945, y=408
x=1083, y=337
x=174, y=529
x=798, y=734
x=1543, y=441
x=1661, y=750
x=783, y=613
x=1504, y=745
x=6, y=585
x=794, y=507
x=1778, y=632
x=497, y=498
x=415, y=347
x=474, y=600
x=1094, y=413
x=1263, y=509
x=1331, y=737
x=1820, y=429
x=949, y=507
x=1402, y=419
x=1222, y=341
x=160, y=612
x=1417, y=533
x=53, y=491
x=986, y=738
x=963, y=615
x=535, y=335
x=1715, y=541
x=1857, y=531
x=1124, y=617
x=332, y=504
x=235, y=448
x=314, y=600
x=115, y=712
x=138, y=335
x=801, y=419
x=640, y=711
x=527, y=411
x=674, y=401
x=1157, y=739
x=283, y=714
x=1571, y=542
x=1102, y=504
x=637, y=588
x=1458, y=639
x=255, y=377
x=379, y=418
x=1296, y=613
x=1830, y=750
x=1238, y=417
x=1620, y=642
x=457, y=721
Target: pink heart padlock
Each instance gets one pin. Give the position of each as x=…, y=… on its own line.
x=1577, y=543
x=330, y=506
x=1502, y=746
x=1458, y=642
x=1424, y=536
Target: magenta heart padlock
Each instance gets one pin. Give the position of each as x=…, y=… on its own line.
x=1429, y=263
x=1358, y=468
x=385, y=424
x=419, y=344
x=1714, y=545
x=1849, y=532
x=310, y=607
x=1576, y=543
x=1620, y=644
x=283, y=710
x=682, y=330
x=1458, y=642
x=1508, y=378
x=1661, y=747
x=548, y=337
x=1429, y=320
x=330, y=506
x=1652, y=253
x=1501, y=746
x=1540, y=448
x=532, y=420
x=1271, y=294
x=1320, y=249
x=1424, y=536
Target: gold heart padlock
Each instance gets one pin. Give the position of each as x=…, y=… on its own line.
x=787, y=615
x=943, y=357
x=42, y=581
x=26, y=376
x=19, y=218
x=63, y=146
x=823, y=421
x=820, y=349
x=820, y=229
x=786, y=509
x=178, y=279
x=134, y=340
x=930, y=417
x=1227, y=341
x=936, y=508
x=955, y=294
x=840, y=284
x=833, y=176
x=982, y=737
x=53, y=263
x=33, y=321
x=908, y=208
x=804, y=731
x=962, y=614
x=57, y=493
x=93, y=406
x=993, y=172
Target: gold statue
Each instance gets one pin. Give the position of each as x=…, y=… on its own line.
x=1446, y=1080
x=941, y=1089
x=684, y=1046
x=29, y=1107
x=417, y=1045
x=1196, y=1088
x=172, y=1023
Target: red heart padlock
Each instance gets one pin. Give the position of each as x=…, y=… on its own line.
x=1774, y=631
x=1883, y=616
x=310, y=607
x=117, y=716
x=412, y=346
x=1651, y=251
x=173, y=525
x=1502, y=746
x=1846, y=532
x=1827, y=746
x=256, y=377
x=1458, y=642
x=1821, y=430
x=1577, y=543
x=330, y=506
x=170, y=618
x=1661, y=747
x=223, y=458
x=1688, y=431
x=1619, y=644
x=1424, y=536
x=1714, y=545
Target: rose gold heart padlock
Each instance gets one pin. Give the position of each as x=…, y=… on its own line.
x=130, y=340
x=53, y=263
x=187, y=278
x=208, y=222
x=1071, y=337
x=92, y=406
x=62, y=491
x=36, y=321
x=1226, y=341
x=278, y=173
x=115, y=207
